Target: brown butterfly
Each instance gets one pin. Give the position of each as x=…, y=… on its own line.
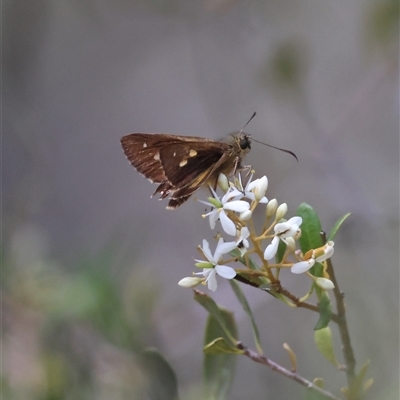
x=182, y=164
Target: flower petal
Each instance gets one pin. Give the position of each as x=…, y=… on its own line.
x=328, y=251
x=302, y=266
x=295, y=221
x=212, y=280
x=237, y=205
x=227, y=224
x=213, y=217
x=223, y=248
x=250, y=196
x=206, y=251
x=232, y=193
x=207, y=203
x=225, y=272
x=215, y=195
x=244, y=233
x=271, y=249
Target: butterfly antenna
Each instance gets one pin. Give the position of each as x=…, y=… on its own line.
x=265, y=144
x=254, y=114
x=277, y=148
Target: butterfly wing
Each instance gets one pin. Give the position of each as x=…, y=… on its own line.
x=189, y=168
x=142, y=150
x=180, y=164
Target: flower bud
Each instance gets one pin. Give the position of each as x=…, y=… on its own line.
x=290, y=244
x=190, y=281
x=261, y=188
x=325, y=283
x=245, y=215
x=281, y=211
x=223, y=182
x=271, y=208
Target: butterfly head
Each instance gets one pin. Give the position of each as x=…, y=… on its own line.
x=241, y=142
x=244, y=141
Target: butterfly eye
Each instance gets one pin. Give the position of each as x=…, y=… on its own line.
x=244, y=143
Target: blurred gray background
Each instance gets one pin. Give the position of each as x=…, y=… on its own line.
x=91, y=264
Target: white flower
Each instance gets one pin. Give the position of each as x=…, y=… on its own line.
x=242, y=243
x=283, y=230
x=254, y=190
x=259, y=188
x=288, y=228
x=317, y=255
x=213, y=268
x=221, y=206
x=324, y=252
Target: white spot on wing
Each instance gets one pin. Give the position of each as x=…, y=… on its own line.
x=144, y=145
x=183, y=163
x=157, y=156
x=174, y=154
x=192, y=153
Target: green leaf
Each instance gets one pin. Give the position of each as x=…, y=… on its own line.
x=243, y=301
x=310, y=234
x=325, y=311
x=162, y=382
x=356, y=390
x=221, y=346
x=310, y=228
x=323, y=340
x=337, y=225
x=211, y=306
x=220, y=356
x=312, y=395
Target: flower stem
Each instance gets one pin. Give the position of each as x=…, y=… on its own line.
x=347, y=349
x=289, y=374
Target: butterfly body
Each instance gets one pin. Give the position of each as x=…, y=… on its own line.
x=182, y=164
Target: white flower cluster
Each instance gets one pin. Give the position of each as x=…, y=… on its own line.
x=234, y=211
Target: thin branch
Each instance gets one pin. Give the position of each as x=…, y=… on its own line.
x=283, y=371
x=302, y=304
x=347, y=349
x=295, y=300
